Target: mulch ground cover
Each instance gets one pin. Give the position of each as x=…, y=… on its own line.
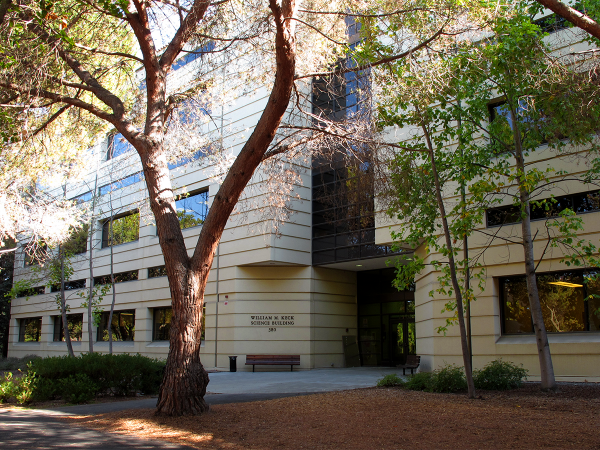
x=382, y=418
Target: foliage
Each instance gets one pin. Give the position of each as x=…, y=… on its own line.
x=499, y=375
x=448, y=379
x=390, y=380
x=119, y=375
x=7, y=388
x=78, y=388
x=420, y=381
x=13, y=363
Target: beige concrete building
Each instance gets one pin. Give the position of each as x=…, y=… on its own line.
x=301, y=290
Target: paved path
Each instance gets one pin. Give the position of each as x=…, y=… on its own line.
x=41, y=429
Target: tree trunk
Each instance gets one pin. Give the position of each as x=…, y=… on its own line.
x=541, y=338
x=63, y=304
x=453, y=276
x=112, y=281
x=185, y=380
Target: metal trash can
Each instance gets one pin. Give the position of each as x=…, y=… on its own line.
x=232, y=364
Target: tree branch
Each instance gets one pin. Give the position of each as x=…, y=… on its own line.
x=572, y=15
x=389, y=59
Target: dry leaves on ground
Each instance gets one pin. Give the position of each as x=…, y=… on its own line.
x=381, y=418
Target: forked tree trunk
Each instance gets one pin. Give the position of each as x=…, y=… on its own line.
x=541, y=338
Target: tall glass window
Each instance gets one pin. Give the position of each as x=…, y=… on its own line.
x=125, y=229
x=122, y=325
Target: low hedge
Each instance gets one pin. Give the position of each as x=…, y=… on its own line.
x=84, y=377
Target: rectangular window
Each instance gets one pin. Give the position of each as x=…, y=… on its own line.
x=30, y=292
x=77, y=242
x=188, y=57
x=117, y=145
x=82, y=198
x=158, y=271
x=125, y=228
x=121, y=183
x=192, y=209
x=35, y=253
x=75, y=324
x=162, y=323
x=120, y=277
x=546, y=209
x=563, y=299
x=69, y=285
x=122, y=326
x=30, y=329
x=183, y=161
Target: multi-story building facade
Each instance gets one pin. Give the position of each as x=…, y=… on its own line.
x=318, y=286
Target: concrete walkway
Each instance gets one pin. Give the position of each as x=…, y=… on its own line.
x=41, y=429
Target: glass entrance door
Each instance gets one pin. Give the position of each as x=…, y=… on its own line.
x=402, y=339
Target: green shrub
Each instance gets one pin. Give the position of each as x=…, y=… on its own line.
x=499, y=375
x=7, y=388
x=421, y=381
x=13, y=363
x=78, y=388
x=447, y=379
x=390, y=380
x=118, y=375
x=25, y=388
x=450, y=379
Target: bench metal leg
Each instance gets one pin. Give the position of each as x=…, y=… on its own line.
x=253, y=367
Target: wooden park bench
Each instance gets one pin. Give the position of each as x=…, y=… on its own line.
x=412, y=363
x=273, y=360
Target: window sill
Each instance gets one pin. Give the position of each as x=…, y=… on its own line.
x=163, y=344
x=27, y=343
x=563, y=338
x=117, y=343
x=61, y=343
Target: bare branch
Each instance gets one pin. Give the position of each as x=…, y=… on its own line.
x=389, y=59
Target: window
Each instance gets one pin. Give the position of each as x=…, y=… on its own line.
x=82, y=198
x=122, y=326
x=125, y=228
x=162, y=323
x=75, y=324
x=69, y=285
x=192, y=209
x=552, y=23
x=183, y=161
x=77, y=242
x=188, y=57
x=117, y=145
x=567, y=300
x=158, y=271
x=30, y=292
x=30, y=329
x=579, y=203
x=119, y=277
x=119, y=184
x=35, y=253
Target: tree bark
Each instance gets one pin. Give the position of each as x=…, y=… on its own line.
x=453, y=276
x=572, y=15
x=541, y=338
x=63, y=304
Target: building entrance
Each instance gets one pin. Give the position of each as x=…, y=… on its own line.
x=386, y=320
